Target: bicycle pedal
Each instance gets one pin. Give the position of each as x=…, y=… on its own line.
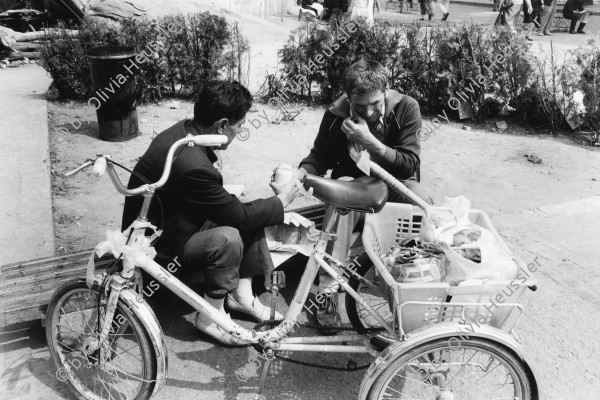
x=275, y=280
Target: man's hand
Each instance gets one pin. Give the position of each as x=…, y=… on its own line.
x=299, y=174
x=359, y=133
x=288, y=192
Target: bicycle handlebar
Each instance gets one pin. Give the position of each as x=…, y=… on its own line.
x=83, y=166
x=101, y=163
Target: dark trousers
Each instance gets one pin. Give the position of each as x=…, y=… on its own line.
x=225, y=255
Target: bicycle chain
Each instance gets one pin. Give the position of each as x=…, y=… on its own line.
x=348, y=367
x=351, y=366
x=351, y=363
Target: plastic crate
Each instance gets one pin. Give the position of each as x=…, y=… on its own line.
x=422, y=304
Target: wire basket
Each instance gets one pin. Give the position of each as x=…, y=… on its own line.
x=420, y=304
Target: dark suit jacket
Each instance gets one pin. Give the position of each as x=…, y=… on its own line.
x=193, y=194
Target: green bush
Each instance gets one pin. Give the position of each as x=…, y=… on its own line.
x=558, y=77
x=442, y=67
x=176, y=62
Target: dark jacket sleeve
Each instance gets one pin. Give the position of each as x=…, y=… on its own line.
x=199, y=190
x=401, y=159
x=321, y=158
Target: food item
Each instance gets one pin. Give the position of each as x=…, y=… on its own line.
x=473, y=254
x=466, y=236
x=284, y=174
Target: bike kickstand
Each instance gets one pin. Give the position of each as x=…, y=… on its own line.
x=269, y=355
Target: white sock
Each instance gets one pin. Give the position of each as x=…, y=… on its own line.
x=243, y=293
x=219, y=304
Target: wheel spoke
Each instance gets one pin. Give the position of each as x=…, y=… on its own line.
x=119, y=369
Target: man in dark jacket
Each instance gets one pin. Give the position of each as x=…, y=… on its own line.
x=205, y=226
x=574, y=11
x=387, y=127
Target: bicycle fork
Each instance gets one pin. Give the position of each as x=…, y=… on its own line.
x=117, y=284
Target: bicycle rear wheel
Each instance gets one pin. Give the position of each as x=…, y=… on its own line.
x=358, y=315
x=454, y=368
x=124, y=367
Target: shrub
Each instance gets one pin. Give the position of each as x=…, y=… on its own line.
x=439, y=66
x=201, y=48
x=63, y=56
x=559, y=77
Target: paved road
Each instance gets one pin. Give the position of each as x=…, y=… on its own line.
x=26, y=228
x=460, y=13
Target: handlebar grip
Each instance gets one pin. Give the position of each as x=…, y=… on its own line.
x=210, y=140
x=81, y=167
x=99, y=166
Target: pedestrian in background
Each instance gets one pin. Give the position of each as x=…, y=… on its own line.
x=426, y=9
x=335, y=11
x=444, y=6
x=531, y=17
x=510, y=11
x=547, y=16
x=364, y=9
x=574, y=11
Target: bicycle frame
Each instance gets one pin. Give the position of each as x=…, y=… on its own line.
x=275, y=337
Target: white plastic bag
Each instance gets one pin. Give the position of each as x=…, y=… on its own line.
x=496, y=262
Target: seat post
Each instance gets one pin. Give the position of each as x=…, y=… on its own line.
x=332, y=221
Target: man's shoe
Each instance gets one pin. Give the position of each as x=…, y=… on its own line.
x=445, y=17
x=582, y=32
x=215, y=332
x=430, y=16
x=529, y=38
x=328, y=317
x=256, y=309
x=547, y=34
x=572, y=32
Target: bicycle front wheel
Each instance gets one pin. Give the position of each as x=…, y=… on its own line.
x=124, y=367
x=449, y=369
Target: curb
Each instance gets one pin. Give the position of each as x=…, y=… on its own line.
x=490, y=5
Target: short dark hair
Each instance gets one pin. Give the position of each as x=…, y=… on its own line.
x=222, y=99
x=365, y=76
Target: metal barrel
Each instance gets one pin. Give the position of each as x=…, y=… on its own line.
x=112, y=69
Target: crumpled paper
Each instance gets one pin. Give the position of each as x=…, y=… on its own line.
x=116, y=243
x=295, y=219
x=361, y=157
x=296, y=234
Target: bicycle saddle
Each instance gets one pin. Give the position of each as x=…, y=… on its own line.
x=365, y=194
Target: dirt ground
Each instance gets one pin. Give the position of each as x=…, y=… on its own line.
x=559, y=329
x=560, y=325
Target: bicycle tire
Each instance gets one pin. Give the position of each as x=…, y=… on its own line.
x=359, y=318
x=518, y=366
x=128, y=320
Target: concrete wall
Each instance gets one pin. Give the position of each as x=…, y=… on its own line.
x=259, y=7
